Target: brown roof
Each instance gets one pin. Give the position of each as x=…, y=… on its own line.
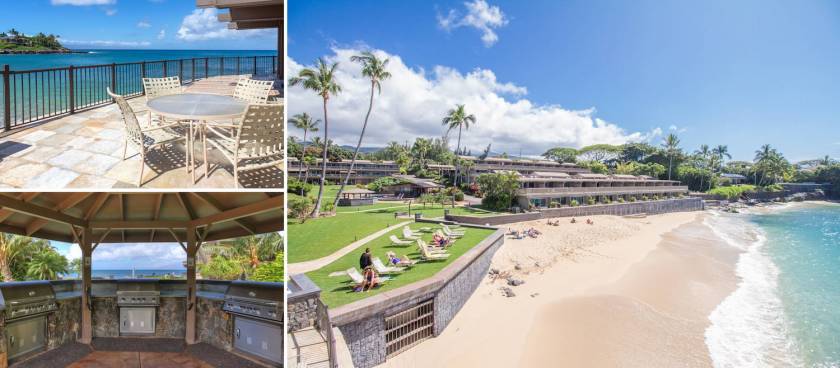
x=140, y=216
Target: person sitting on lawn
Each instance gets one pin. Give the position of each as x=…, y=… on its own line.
x=365, y=260
x=392, y=258
x=440, y=240
x=371, y=279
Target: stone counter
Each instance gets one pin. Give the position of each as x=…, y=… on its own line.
x=213, y=325
x=65, y=325
x=105, y=316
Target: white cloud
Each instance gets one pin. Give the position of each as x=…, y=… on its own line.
x=676, y=129
x=203, y=24
x=110, y=12
x=146, y=253
x=481, y=16
x=414, y=101
x=162, y=34
x=83, y=2
x=143, y=24
x=106, y=43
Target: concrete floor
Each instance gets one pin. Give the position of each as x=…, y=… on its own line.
x=117, y=359
x=84, y=150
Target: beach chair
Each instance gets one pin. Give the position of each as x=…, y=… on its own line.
x=427, y=255
x=383, y=269
x=357, y=277
x=408, y=235
x=452, y=234
x=252, y=90
x=448, y=230
x=430, y=248
x=396, y=241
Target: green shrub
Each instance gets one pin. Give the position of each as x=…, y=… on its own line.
x=733, y=191
x=377, y=184
x=327, y=207
x=499, y=189
x=774, y=188
x=620, y=199
x=270, y=271
x=299, y=187
x=220, y=268
x=574, y=203
x=590, y=200
x=300, y=207
x=632, y=199
x=656, y=197
x=644, y=197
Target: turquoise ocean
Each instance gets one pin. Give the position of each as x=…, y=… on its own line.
x=785, y=311
x=96, y=57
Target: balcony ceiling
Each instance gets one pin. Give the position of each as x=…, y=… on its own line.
x=248, y=14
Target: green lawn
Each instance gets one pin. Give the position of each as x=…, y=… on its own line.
x=321, y=237
x=336, y=291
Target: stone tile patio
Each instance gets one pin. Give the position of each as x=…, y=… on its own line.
x=85, y=150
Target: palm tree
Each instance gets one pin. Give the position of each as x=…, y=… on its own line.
x=373, y=68
x=322, y=82
x=10, y=247
x=826, y=161
x=671, y=145
x=459, y=118
x=703, y=153
x=46, y=265
x=420, y=150
x=761, y=156
x=722, y=153
x=307, y=124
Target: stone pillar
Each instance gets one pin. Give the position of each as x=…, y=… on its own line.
x=192, y=248
x=87, y=259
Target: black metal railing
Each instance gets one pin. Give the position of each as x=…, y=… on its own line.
x=325, y=326
x=28, y=96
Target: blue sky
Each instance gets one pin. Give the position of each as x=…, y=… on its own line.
x=154, y=24
x=157, y=256
x=740, y=73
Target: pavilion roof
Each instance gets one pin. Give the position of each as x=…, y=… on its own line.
x=140, y=216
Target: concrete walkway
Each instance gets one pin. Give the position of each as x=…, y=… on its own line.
x=303, y=267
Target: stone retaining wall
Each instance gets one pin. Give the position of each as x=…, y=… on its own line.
x=65, y=325
x=363, y=322
x=171, y=317
x=618, y=209
x=302, y=303
x=213, y=325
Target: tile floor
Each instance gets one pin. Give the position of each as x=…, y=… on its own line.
x=118, y=359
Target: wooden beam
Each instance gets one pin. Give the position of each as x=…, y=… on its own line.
x=138, y=224
x=96, y=205
x=216, y=206
x=191, y=299
x=182, y=199
x=122, y=213
x=39, y=211
x=26, y=197
x=87, y=253
x=242, y=25
x=156, y=214
x=71, y=200
x=268, y=204
x=177, y=240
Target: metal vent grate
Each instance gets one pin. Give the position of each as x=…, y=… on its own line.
x=409, y=327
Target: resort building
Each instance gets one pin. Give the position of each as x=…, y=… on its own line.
x=364, y=171
x=411, y=187
x=734, y=178
x=555, y=189
x=523, y=166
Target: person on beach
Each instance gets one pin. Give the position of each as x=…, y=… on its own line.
x=573, y=220
x=365, y=260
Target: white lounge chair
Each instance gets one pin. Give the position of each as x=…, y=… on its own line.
x=431, y=249
x=383, y=269
x=441, y=234
x=428, y=255
x=396, y=241
x=447, y=229
x=408, y=235
x=452, y=234
x=357, y=277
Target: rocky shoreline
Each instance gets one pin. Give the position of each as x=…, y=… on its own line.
x=29, y=52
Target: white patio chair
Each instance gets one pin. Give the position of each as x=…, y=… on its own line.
x=383, y=269
x=396, y=241
x=252, y=90
x=144, y=139
x=156, y=87
x=256, y=143
x=427, y=255
x=408, y=235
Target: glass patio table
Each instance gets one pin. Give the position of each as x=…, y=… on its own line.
x=197, y=108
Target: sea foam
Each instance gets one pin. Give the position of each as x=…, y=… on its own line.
x=748, y=329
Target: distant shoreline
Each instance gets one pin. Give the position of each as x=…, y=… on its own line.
x=36, y=52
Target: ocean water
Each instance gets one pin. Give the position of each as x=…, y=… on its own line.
x=96, y=57
x=124, y=274
x=786, y=309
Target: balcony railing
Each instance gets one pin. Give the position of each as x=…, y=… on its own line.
x=28, y=96
x=603, y=190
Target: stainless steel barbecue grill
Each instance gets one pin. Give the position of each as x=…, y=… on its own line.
x=27, y=305
x=257, y=310
x=137, y=300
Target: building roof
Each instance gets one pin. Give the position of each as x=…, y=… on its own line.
x=591, y=176
x=733, y=176
x=140, y=216
x=549, y=174
x=248, y=14
x=356, y=190
x=420, y=182
x=624, y=177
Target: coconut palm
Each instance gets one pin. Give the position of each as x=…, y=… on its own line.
x=671, y=145
x=373, y=68
x=10, y=247
x=46, y=264
x=420, y=150
x=307, y=124
x=722, y=153
x=762, y=155
x=321, y=81
x=458, y=118
x=703, y=153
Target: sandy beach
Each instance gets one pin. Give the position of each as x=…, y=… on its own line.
x=622, y=292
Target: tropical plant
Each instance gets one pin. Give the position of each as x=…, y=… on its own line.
x=499, y=189
x=671, y=146
x=46, y=265
x=322, y=82
x=703, y=154
x=574, y=203
x=18, y=253
x=270, y=271
x=300, y=207
x=374, y=68
x=221, y=268
x=458, y=118
x=561, y=154
x=304, y=122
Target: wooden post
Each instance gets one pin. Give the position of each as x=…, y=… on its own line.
x=192, y=248
x=87, y=303
x=72, y=77
x=255, y=65
x=181, y=70
x=206, y=69
x=165, y=73
x=280, y=52
x=7, y=111
x=237, y=65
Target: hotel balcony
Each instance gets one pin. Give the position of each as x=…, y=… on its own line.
x=593, y=191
